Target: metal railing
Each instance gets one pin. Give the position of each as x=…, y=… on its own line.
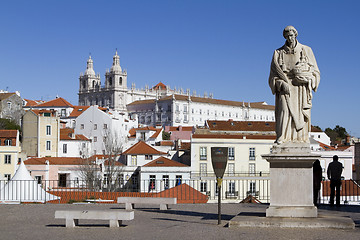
x=185, y=190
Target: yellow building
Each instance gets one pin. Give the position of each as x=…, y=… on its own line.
x=9, y=153
x=41, y=132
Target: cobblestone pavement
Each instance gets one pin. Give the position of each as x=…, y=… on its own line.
x=182, y=221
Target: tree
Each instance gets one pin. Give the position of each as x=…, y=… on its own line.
x=165, y=135
x=8, y=124
x=337, y=134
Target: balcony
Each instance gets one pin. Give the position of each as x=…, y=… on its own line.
x=231, y=194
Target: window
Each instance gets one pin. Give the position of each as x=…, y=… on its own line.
x=177, y=109
x=62, y=180
x=203, y=155
x=166, y=181
x=148, y=157
x=7, y=159
x=192, y=110
x=95, y=139
x=231, y=169
x=133, y=160
x=252, y=169
x=203, y=186
x=95, y=126
x=48, y=145
x=200, y=112
x=251, y=153
x=229, y=114
x=110, y=81
x=143, y=134
x=231, y=189
x=203, y=169
x=185, y=108
x=222, y=114
x=8, y=142
x=81, y=126
x=63, y=112
x=38, y=179
x=48, y=130
x=231, y=153
x=152, y=182
x=105, y=126
x=120, y=80
x=178, y=179
x=64, y=148
x=9, y=105
x=47, y=114
x=185, y=118
x=208, y=112
x=252, y=188
x=7, y=176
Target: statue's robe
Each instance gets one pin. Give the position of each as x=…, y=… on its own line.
x=292, y=110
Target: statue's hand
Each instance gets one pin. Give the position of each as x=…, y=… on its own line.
x=302, y=79
x=286, y=88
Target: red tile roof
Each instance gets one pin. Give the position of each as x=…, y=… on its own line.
x=326, y=147
x=164, y=162
x=66, y=133
x=41, y=111
x=141, y=148
x=184, y=194
x=55, y=161
x=8, y=133
x=315, y=129
x=132, y=132
x=159, y=86
x=234, y=136
x=57, y=102
x=166, y=143
x=77, y=111
x=257, y=105
x=187, y=129
x=246, y=126
x=31, y=103
x=5, y=95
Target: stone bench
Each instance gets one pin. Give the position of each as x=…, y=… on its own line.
x=115, y=218
x=130, y=201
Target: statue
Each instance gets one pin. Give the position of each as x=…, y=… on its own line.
x=293, y=76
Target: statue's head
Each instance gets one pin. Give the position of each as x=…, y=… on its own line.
x=288, y=30
x=290, y=35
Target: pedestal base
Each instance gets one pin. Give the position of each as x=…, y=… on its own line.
x=291, y=182
x=291, y=212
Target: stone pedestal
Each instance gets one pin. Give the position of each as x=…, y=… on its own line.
x=291, y=182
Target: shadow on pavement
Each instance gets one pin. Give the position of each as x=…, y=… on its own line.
x=205, y=216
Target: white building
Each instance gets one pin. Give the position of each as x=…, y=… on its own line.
x=96, y=124
x=115, y=94
x=184, y=110
x=73, y=145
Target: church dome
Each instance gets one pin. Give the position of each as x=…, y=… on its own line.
x=116, y=63
x=90, y=67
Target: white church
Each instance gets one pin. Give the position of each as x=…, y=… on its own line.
x=161, y=105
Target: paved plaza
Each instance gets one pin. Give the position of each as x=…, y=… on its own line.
x=182, y=221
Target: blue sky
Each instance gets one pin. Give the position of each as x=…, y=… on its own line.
x=223, y=47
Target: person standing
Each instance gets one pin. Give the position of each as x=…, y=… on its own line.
x=317, y=178
x=334, y=171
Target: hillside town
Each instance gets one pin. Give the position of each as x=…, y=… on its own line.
x=147, y=140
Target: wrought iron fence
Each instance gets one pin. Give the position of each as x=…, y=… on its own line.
x=185, y=190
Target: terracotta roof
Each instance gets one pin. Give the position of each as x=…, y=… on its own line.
x=5, y=95
x=66, y=133
x=245, y=126
x=132, y=131
x=31, y=103
x=106, y=163
x=55, y=161
x=164, y=162
x=342, y=147
x=184, y=194
x=315, y=129
x=166, y=143
x=326, y=147
x=258, y=105
x=141, y=148
x=41, y=111
x=77, y=111
x=234, y=136
x=159, y=86
x=187, y=128
x=57, y=102
x=8, y=133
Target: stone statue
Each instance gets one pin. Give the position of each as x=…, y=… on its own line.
x=293, y=76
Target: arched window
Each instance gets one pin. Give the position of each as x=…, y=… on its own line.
x=8, y=142
x=93, y=84
x=120, y=80
x=110, y=81
x=84, y=84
